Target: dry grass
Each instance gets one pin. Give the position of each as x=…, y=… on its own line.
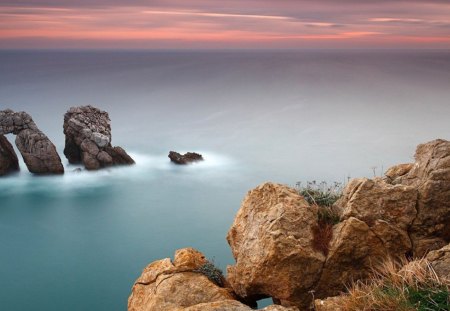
x=415, y=286
x=322, y=197
x=322, y=235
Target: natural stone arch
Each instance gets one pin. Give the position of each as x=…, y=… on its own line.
x=38, y=152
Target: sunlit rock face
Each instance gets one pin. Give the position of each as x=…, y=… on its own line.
x=38, y=152
x=88, y=139
x=430, y=175
x=272, y=242
x=182, y=285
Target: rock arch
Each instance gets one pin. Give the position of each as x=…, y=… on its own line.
x=38, y=152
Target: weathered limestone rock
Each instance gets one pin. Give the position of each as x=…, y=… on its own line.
x=440, y=261
x=329, y=304
x=166, y=285
x=8, y=158
x=373, y=199
x=178, y=286
x=37, y=150
x=233, y=305
x=271, y=241
x=387, y=209
x=88, y=139
x=186, y=158
x=394, y=174
x=430, y=175
x=354, y=250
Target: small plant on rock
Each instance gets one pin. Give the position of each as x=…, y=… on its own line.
x=213, y=273
x=323, y=197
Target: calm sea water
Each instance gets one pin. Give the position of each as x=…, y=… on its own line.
x=78, y=241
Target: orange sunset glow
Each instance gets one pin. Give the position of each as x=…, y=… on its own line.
x=238, y=24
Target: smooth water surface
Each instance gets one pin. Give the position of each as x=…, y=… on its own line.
x=78, y=241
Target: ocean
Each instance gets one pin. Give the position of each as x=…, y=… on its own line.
x=78, y=241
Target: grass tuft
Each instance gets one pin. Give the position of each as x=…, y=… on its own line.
x=322, y=196
x=415, y=286
x=213, y=273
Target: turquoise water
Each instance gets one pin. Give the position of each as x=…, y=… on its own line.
x=78, y=241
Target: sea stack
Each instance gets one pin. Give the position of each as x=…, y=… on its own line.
x=38, y=152
x=88, y=139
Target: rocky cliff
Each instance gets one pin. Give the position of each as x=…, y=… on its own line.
x=274, y=238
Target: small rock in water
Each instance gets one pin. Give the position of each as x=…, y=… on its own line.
x=186, y=158
x=77, y=170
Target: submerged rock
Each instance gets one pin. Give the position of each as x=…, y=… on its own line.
x=38, y=152
x=8, y=158
x=88, y=139
x=186, y=158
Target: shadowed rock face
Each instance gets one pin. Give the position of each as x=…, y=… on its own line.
x=186, y=158
x=88, y=139
x=8, y=158
x=38, y=152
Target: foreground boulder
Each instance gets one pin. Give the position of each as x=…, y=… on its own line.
x=182, y=285
x=272, y=242
x=88, y=139
x=186, y=158
x=38, y=152
x=8, y=158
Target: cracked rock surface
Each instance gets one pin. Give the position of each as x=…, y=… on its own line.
x=404, y=214
x=167, y=285
x=38, y=152
x=88, y=139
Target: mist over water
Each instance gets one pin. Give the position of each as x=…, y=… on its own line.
x=78, y=241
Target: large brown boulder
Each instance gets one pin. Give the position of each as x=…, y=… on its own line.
x=38, y=152
x=388, y=210
x=430, y=175
x=354, y=249
x=272, y=242
x=8, y=158
x=88, y=139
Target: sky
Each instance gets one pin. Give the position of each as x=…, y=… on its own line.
x=224, y=24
